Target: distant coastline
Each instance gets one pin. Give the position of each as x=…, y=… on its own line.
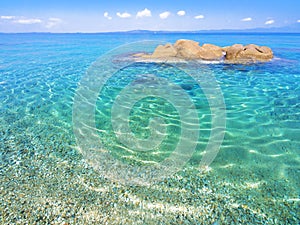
x=291, y=29
x=164, y=32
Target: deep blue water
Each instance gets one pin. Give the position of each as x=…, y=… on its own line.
x=39, y=74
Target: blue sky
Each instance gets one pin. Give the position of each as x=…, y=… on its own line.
x=102, y=16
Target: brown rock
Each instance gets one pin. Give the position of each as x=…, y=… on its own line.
x=251, y=46
x=211, y=52
x=141, y=56
x=233, y=51
x=225, y=48
x=187, y=49
x=164, y=51
x=267, y=52
x=254, y=53
x=137, y=55
x=247, y=55
x=237, y=46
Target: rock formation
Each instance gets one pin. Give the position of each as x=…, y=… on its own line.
x=191, y=50
x=187, y=49
x=164, y=51
x=248, y=53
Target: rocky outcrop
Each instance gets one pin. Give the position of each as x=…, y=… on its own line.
x=248, y=53
x=211, y=52
x=232, y=51
x=164, y=51
x=191, y=50
x=187, y=49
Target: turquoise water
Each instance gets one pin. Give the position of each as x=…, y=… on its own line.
x=258, y=162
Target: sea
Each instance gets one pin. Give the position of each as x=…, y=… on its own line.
x=79, y=145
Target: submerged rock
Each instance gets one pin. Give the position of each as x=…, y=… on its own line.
x=191, y=50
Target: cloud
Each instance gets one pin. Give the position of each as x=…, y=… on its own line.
x=28, y=21
x=246, y=19
x=298, y=21
x=181, y=13
x=123, y=15
x=144, y=13
x=7, y=17
x=107, y=16
x=199, y=17
x=268, y=22
x=52, y=22
x=164, y=15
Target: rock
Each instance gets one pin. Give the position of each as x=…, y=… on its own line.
x=184, y=50
x=233, y=51
x=211, y=52
x=251, y=46
x=187, y=49
x=252, y=53
x=268, y=53
x=138, y=55
x=225, y=48
x=164, y=51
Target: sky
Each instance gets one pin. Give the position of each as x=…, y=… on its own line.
x=124, y=15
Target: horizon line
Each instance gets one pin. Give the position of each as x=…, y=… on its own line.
x=141, y=31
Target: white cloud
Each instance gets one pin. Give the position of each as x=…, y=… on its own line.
x=164, y=15
x=57, y=20
x=246, y=19
x=52, y=22
x=199, y=17
x=144, y=13
x=268, y=22
x=7, y=17
x=181, y=13
x=107, y=16
x=123, y=15
x=28, y=21
x=298, y=21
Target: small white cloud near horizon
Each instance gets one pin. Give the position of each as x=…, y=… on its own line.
x=7, y=17
x=199, y=17
x=181, y=13
x=52, y=22
x=268, y=22
x=107, y=16
x=298, y=21
x=144, y=13
x=123, y=15
x=28, y=21
x=247, y=19
x=164, y=15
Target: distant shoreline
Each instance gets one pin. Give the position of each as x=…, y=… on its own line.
x=166, y=32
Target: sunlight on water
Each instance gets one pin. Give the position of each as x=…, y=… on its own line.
x=255, y=176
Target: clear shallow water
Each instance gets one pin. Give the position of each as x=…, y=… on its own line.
x=259, y=159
